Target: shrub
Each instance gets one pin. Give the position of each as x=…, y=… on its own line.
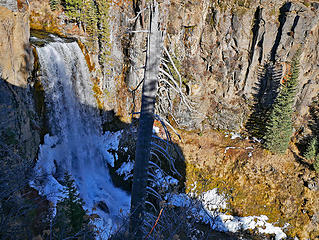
x=311, y=150
x=316, y=164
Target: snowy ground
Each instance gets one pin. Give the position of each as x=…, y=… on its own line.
x=210, y=209
x=210, y=213
x=212, y=202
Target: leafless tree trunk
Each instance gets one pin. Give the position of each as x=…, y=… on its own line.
x=146, y=121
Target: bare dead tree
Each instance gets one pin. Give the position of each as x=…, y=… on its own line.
x=143, y=146
x=171, y=84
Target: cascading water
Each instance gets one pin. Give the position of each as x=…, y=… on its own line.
x=75, y=143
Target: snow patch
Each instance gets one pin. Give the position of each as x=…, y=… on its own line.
x=156, y=130
x=213, y=200
x=125, y=169
x=162, y=180
x=110, y=141
x=45, y=183
x=227, y=148
x=209, y=212
x=235, y=135
x=257, y=140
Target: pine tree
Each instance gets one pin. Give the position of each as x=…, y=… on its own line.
x=311, y=150
x=91, y=20
x=267, y=85
x=279, y=126
x=71, y=219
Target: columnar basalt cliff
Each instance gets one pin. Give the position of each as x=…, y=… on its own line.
x=222, y=44
x=219, y=47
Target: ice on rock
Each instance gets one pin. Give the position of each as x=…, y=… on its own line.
x=76, y=144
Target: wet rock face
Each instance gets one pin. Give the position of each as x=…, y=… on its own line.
x=222, y=46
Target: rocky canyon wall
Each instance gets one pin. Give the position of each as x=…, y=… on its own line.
x=222, y=45
x=220, y=49
x=18, y=119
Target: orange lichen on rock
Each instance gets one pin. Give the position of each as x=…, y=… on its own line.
x=98, y=93
x=22, y=5
x=87, y=56
x=43, y=18
x=286, y=72
x=124, y=104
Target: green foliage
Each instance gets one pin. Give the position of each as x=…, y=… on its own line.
x=90, y=20
x=263, y=99
x=316, y=164
x=73, y=9
x=9, y=136
x=54, y=4
x=71, y=218
x=279, y=126
x=311, y=150
x=104, y=32
x=177, y=64
x=93, y=17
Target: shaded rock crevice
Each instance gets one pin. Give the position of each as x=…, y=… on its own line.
x=282, y=20
x=225, y=65
x=255, y=31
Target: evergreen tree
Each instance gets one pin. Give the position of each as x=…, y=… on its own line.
x=316, y=164
x=311, y=150
x=73, y=9
x=279, y=126
x=91, y=20
x=268, y=83
x=71, y=219
x=54, y=4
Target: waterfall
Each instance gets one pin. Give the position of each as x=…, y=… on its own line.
x=75, y=143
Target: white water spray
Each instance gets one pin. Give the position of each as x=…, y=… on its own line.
x=76, y=143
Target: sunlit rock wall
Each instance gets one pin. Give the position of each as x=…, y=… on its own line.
x=15, y=52
x=222, y=45
x=10, y=4
x=19, y=126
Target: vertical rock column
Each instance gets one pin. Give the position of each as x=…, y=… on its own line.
x=19, y=128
